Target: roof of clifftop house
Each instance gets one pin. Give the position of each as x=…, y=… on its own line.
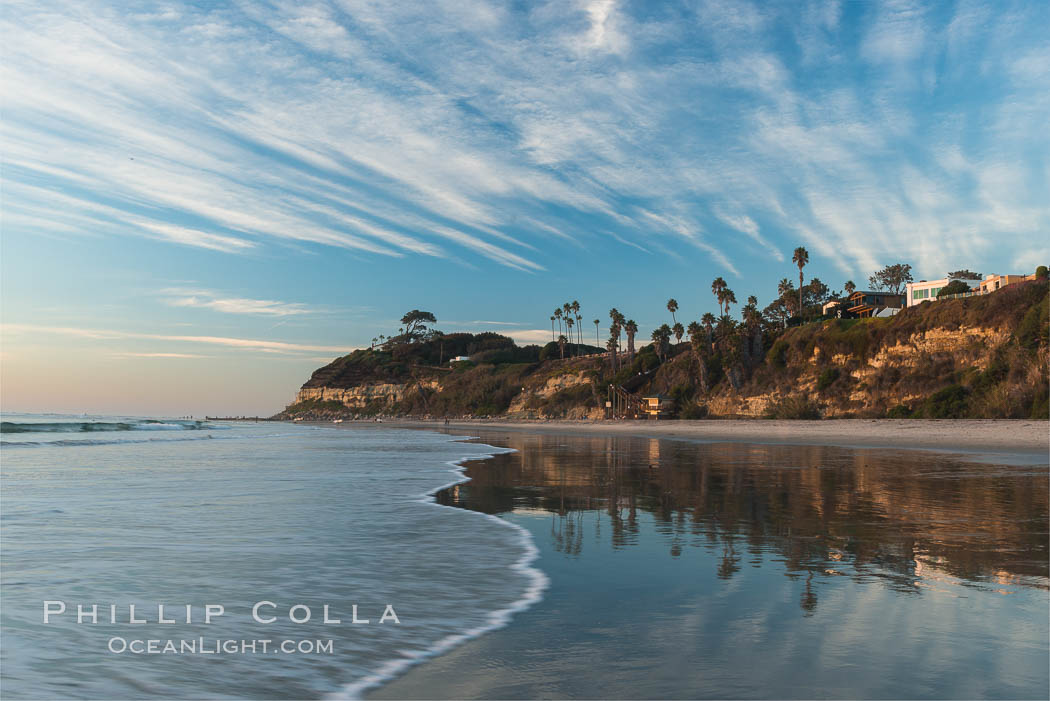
x=863, y=293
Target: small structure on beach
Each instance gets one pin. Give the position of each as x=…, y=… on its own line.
x=657, y=405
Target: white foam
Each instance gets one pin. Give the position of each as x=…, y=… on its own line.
x=495, y=620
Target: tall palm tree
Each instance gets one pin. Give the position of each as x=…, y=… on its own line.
x=569, y=324
x=708, y=320
x=553, y=337
x=678, y=331
x=557, y=315
x=614, y=333
x=728, y=297
x=597, y=323
x=575, y=306
x=630, y=328
x=800, y=258
x=672, y=306
x=717, y=286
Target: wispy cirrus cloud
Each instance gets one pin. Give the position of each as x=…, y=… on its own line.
x=341, y=125
x=159, y=355
x=206, y=299
x=250, y=344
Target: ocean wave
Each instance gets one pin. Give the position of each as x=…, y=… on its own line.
x=538, y=582
x=103, y=426
x=77, y=442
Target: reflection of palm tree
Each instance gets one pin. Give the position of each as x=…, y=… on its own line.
x=730, y=563
x=809, y=597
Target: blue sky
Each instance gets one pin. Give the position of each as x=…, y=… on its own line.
x=202, y=203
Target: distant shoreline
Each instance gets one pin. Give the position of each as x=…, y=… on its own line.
x=1030, y=438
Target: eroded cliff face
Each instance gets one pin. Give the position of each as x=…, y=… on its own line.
x=530, y=403
x=990, y=355
x=365, y=396
x=867, y=387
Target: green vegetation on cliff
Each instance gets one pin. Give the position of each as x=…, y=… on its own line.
x=977, y=357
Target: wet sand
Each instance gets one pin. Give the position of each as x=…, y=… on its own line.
x=756, y=560
x=996, y=436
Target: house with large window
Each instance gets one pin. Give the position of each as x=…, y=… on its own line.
x=868, y=303
x=924, y=290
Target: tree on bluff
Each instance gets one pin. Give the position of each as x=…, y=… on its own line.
x=415, y=324
x=955, y=287
x=892, y=278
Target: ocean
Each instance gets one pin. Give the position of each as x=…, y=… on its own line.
x=114, y=512
x=566, y=567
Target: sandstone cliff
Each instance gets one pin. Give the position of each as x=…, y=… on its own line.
x=980, y=357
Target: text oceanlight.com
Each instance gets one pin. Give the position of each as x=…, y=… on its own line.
x=204, y=646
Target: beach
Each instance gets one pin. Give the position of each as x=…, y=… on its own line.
x=1018, y=438
x=763, y=560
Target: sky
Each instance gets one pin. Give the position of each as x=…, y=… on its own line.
x=202, y=203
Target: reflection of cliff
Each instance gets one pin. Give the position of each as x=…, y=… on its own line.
x=907, y=518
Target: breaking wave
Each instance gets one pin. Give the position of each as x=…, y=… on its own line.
x=102, y=426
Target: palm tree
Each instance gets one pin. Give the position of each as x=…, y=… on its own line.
x=696, y=334
x=784, y=287
x=552, y=329
x=597, y=323
x=679, y=331
x=800, y=258
x=614, y=333
x=728, y=298
x=557, y=315
x=672, y=306
x=631, y=328
x=850, y=287
x=660, y=337
x=708, y=320
x=575, y=306
x=569, y=322
x=717, y=286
